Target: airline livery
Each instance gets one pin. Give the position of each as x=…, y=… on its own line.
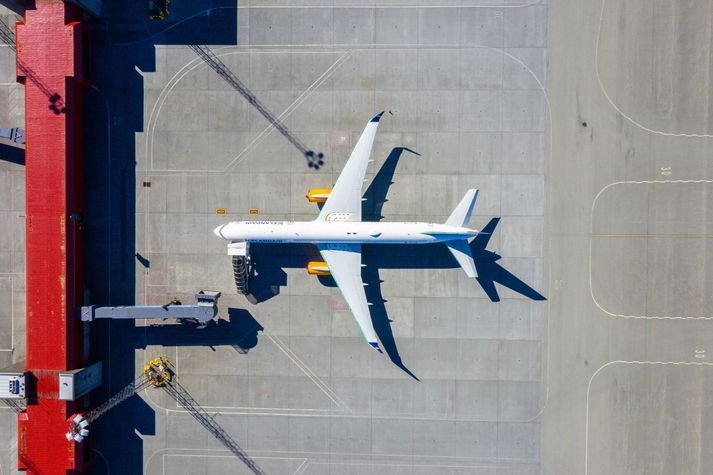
x=338, y=232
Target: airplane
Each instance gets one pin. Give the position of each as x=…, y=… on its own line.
x=339, y=232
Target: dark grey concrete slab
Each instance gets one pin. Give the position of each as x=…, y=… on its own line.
x=628, y=238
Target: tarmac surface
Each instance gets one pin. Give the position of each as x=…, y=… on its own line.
x=601, y=181
x=463, y=85
x=628, y=238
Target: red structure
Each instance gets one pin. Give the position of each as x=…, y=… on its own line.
x=49, y=62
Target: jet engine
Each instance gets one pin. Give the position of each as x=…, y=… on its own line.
x=318, y=268
x=318, y=195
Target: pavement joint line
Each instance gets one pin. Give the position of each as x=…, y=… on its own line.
x=12, y=314
x=591, y=240
x=613, y=104
x=655, y=235
x=625, y=362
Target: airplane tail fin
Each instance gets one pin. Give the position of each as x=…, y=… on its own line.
x=461, y=251
x=461, y=214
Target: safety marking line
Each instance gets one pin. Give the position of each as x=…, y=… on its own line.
x=285, y=411
x=12, y=314
x=642, y=363
x=196, y=63
x=618, y=110
x=656, y=235
x=310, y=374
x=593, y=235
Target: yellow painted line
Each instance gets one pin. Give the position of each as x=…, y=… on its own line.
x=655, y=235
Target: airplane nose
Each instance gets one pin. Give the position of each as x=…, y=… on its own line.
x=217, y=231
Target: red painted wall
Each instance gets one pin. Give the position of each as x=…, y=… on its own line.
x=49, y=54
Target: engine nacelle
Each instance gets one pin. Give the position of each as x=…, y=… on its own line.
x=318, y=195
x=318, y=268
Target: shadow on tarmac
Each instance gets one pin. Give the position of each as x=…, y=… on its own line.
x=122, y=49
x=239, y=331
x=11, y=154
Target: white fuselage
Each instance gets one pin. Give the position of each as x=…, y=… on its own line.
x=336, y=232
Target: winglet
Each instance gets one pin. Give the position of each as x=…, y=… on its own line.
x=377, y=117
x=374, y=344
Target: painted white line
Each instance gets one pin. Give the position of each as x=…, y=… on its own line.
x=309, y=373
x=197, y=63
x=591, y=240
x=288, y=111
x=12, y=315
x=342, y=415
x=106, y=462
x=299, y=469
x=606, y=365
x=616, y=107
x=393, y=6
x=164, y=453
x=546, y=262
x=283, y=411
x=301, y=455
x=408, y=465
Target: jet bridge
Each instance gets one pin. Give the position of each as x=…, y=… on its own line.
x=204, y=310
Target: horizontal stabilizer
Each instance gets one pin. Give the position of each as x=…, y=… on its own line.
x=461, y=251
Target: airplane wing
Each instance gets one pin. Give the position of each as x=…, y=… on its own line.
x=344, y=262
x=344, y=202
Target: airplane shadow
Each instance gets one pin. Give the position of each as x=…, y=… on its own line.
x=269, y=262
x=239, y=331
x=11, y=154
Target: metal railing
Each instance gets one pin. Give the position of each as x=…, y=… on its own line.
x=184, y=399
